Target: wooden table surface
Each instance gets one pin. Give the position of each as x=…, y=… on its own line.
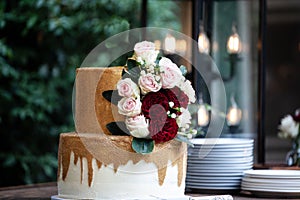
x=46, y=190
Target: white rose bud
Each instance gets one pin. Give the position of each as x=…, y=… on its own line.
x=184, y=119
x=137, y=126
x=146, y=50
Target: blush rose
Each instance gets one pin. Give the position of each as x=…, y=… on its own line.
x=127, y=88
x=129, y=106
x=148, y=83
x=170, y=73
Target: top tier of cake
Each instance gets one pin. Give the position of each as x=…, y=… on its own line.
x=92, y=111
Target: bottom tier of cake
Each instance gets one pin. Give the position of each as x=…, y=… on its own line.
x=97, y=166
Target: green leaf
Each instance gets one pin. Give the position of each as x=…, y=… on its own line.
x=131, y=64
x=9, y=161
x=117, y=128
x=133, y=74
x=142, y=146
x=48, y=170
x=112, y=96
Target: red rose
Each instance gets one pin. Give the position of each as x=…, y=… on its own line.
x=168, y=132
x=296, y=117
x=181, y=96
x=153, y=98
x=172, y=97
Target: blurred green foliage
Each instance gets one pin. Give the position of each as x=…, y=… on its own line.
x=41, y=44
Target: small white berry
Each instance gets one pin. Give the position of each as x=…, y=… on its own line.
x=171, y=104
x=194, y=132
x=173, y=115
x=143, y=73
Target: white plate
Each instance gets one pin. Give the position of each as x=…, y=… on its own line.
x=203, y=182
x=221, y=148
x=224, y=147
x=220, y=177
x=221, y=141
x=237, y=184
x=220, y=155
x=217, y=174
x=239, y=148
x=220, y=160
x=272, y=186
x=270, y=189
x=216, y=171
x=229, y=173
x=192, y=186
x=271, y=181
x=217, y=167
x=221, y=165
x=213, y=154
x=292, y=174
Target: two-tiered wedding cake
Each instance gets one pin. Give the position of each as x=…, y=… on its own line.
x=96, y=163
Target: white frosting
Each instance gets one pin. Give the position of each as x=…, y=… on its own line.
x=131, y=181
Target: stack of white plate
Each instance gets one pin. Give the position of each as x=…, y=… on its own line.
x=273, y=183
x=218, y=163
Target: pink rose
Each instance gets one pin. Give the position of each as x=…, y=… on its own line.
x=127, y=88
x=170, y=73
x=138, y=126
x=129, y=106
x=148, y=83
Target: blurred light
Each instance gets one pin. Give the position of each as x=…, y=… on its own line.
x=157, y=44
x=181, y=47
x=170, y=43
x=234, y=45
x=234, y=114
x=203, y=41
x=203, y=114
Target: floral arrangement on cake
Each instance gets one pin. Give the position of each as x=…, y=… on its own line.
x=289, y=128
x=154, y=96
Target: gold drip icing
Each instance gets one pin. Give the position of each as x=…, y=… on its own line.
x=116, y=150
x=180, y=164
x=161, y=175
